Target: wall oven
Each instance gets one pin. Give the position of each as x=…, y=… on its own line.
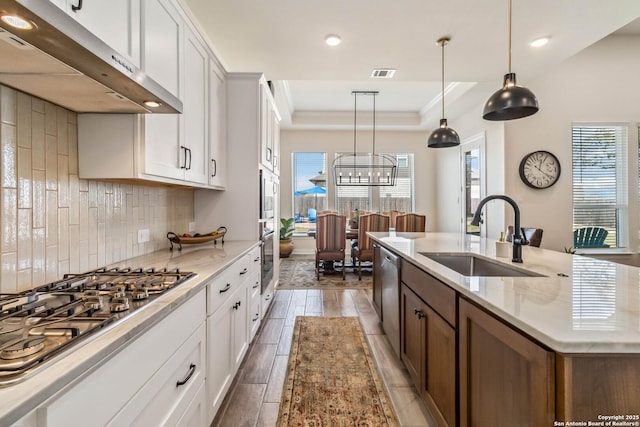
x=267, y=195
x=266, y=272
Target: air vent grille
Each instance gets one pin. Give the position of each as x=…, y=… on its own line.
x=383, y=73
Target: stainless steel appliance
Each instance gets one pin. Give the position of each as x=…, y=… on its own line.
x=60, y=47
x=39, y=324
x=266, y=272
x=390, y=298
x=267, y=195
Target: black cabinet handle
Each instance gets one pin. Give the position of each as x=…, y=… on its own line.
x=256, y=259
x=418, y=313
x=189, y=168
x=192, y=369
x=243, y=272
x=236, y=305
x=256, y=318
x=78, y=7
x=226, y=288
x=184, y=165
x=256, y=285
x=215, y=167
x=268, y=297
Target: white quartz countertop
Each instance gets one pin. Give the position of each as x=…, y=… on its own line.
x=71, y=366
x=582, y=305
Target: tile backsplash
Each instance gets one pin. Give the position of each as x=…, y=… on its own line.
x=51, y=221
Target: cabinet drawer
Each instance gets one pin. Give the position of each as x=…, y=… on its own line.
x=432, y=291
x=222, y=286
x=165, y=398
x=119, y=379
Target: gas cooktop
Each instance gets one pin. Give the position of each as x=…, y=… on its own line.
x=42, y=323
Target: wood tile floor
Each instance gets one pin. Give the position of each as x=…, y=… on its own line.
x=254, y=397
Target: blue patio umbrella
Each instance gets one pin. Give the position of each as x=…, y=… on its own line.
x=315, y=190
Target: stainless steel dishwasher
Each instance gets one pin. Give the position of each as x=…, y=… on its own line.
x=389, y=268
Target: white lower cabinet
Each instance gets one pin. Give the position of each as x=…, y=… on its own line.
x=140, y=384
x=230, y=325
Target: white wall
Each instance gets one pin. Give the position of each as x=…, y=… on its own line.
x=600, y=84
x=335, y=141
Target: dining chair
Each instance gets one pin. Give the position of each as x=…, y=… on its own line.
x=533, y=236
x=363, y=250
x=411, y=222
x=330, y=240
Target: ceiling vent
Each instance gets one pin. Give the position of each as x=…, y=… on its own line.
x=383, y=73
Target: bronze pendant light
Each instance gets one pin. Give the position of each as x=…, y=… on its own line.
x=443, y=136
x=511, y=101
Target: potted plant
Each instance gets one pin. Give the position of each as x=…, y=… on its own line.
x=287, y=226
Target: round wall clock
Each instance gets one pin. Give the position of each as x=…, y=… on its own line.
x=540, y=169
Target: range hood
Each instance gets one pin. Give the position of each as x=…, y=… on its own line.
x=62, y=62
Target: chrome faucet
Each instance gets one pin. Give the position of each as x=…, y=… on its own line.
x=517, y=237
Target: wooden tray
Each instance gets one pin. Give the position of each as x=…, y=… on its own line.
x=203, y=238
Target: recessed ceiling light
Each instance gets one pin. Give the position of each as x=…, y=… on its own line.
x=17, y=22
x=539, y=42
x=332, y=40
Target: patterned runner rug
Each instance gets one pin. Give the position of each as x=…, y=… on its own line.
x=331, y=378
x=298, y=272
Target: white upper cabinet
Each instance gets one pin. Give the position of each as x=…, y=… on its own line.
x=161, y=39
x=195, y=143
x=116, y=22
x=217, y=127
x=269, y=129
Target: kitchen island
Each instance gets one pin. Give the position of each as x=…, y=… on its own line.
x=563, y=346
x=86, y=370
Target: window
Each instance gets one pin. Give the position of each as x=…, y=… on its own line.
x=398, y=197
x=309, y=189
x=600, y=180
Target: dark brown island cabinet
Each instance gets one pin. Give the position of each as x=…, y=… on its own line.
x=472, y=368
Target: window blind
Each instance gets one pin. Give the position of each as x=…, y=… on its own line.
x=600, y=179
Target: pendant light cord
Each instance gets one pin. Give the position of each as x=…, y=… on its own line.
x=374, y=124
x=510, y=6
x=355, y=117
x=442, y=44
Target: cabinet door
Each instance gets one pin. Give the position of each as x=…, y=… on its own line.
x=266, y=140
x=195, y=109
x=217, y=128
x=219, y=360
x=161, y=41
x=412, y=341
x=240, y=304
x=275, y=141
x=163, y=153
x=505, y=378
x=115, y=22
x=439, y=389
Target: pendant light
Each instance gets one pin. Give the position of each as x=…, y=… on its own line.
x=512, y=101
x=443, y=136
x=364, y=169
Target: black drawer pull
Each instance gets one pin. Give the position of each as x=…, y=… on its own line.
x=78, y=7
x=236, y=305
x=226, y=288
x=256, y=259
x=256, y=285
x=256, y=318
x=192, y=369
x=418, y=313
x=244, y=271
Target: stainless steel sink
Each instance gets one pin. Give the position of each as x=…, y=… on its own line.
x=472, y=265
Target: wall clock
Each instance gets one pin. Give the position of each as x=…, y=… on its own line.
x=540, y=169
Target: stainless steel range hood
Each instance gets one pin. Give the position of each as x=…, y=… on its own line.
x=62, y=62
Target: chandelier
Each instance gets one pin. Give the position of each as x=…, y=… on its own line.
x=364, y=169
